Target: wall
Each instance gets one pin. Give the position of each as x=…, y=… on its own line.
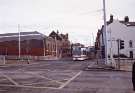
x=117, y=30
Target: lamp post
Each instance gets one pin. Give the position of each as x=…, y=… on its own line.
x=44, y=46
x=56, y=47
x=105, y=32
x=19, y=41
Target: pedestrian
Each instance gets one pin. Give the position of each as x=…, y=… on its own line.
x=133, y=76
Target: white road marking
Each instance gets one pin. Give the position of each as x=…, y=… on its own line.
x=3, y=90
x=22, y=86
x=3, y=79
x=37, y=75
x=10, y=79
x=62, y=86
x=33, y=83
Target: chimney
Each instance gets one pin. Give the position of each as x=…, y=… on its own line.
x=126, y=19
x=111, y=18
x=67, y=35
x=57, y=31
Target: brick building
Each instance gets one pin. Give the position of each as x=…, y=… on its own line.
x=35, y=44
x=31, y=43
x=63, y=47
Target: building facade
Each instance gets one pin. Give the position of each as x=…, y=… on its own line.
x=34, y=44
x=31, y=43
x=117, y=30
x=63, y=47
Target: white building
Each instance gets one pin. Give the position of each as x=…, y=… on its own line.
x=116, y=29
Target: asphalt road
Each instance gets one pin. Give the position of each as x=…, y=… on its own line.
x=62, y=77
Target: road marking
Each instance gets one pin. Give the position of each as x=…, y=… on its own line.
x=62, y=86
x=10, y=79
x=22, y=86
x=23, y=69
x=3, y=90
x=37, y=75
x=33, y=83
x=3, y=79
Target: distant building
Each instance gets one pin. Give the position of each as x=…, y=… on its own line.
x=117, y=29
x=50, y=46
x=63, y=47
x=35, y=44
x=32, y=43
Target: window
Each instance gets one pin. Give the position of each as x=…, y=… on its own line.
x=130, y=43
x=131, y=54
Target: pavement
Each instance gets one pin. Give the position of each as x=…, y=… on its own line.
x=62, y=76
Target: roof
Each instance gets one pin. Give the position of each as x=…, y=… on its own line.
x=128, y=23
x=23, y=36
x=21, y=33
x=123, y=22
x=55, y=35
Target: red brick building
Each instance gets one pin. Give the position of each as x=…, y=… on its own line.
x=31, y=43
x=35, y=44
x=63, y=47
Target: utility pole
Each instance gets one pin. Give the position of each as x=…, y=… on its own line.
x=19, y=40
x=93, y=39
x=118, y=64
x=44, y=46
x=105, y=31
x=111, y=50
x=56, y=47
x=111, y=54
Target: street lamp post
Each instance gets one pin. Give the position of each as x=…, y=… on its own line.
x=105, y=31
x=56, y=47
x=19, y=41
x=44, y=46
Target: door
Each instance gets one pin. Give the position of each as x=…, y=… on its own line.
x=131, y=54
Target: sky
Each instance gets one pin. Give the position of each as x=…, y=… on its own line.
x=81, y=19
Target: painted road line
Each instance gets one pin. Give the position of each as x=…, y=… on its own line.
x=62, y=86
x=50, y=79
x=22, y=86
x=8, y=65
x=3, y=79
x=3, y=90
x=10, y=79
x=37, y=75
x=33, y=83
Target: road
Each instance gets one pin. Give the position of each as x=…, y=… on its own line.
x=62, y=77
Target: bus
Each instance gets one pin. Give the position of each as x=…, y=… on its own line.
x=79, y=53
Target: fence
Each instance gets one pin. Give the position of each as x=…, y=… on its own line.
x=24, y=59
x=125, y=63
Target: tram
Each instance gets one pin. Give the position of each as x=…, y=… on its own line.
x=79, y=53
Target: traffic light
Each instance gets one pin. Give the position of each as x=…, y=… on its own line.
x=121, y=44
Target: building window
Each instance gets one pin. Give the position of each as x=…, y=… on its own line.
x=130, y=43
x=131, y=54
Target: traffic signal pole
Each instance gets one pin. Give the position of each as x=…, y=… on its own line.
x=120, y=46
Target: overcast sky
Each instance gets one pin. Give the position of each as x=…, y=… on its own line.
x=80, y=18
